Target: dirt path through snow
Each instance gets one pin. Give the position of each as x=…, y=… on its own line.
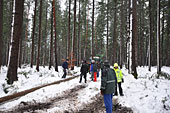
x=67, y=102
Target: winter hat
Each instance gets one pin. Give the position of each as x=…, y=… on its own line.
x=115, y=65
x=106, y=63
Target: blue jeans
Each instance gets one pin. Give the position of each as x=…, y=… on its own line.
x=108, y=102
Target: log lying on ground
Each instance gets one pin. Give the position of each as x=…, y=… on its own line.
x=22, y=93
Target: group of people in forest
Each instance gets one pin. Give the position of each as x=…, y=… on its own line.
x=110, y=79
x=93, y=68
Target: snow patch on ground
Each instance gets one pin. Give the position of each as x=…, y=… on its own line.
x=144, y=95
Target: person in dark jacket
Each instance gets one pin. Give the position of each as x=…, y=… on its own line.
x=108, y=83
x=84, y=70
x=65, y=67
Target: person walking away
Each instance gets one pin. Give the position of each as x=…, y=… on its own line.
x=65, y=67
x=93, y=70
x=84, y=70
x=108, y=82
x=119, y=77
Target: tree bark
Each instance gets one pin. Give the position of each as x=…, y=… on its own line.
x=107, y=38
x=92, y=51
x=74, y=39
x=163, y=32
x=134, y=39
x=85, y=43
x=121, y=34
x=33, y=33
x=55, y=42
x=78, y=39
x=141, y=35
x=20, y=53
x=13, y=62
x=39, y=38
x=51, y=43
x=158, y=37
x=150, y=36
x=10, y=30
x=129, y=38
x=25, y=53
x=168, y=35
x=1, y=31
x=45, y=40
x=115, y=34
x=68, y=41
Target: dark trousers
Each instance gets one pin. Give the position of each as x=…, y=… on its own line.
x=65, y=73
x=120, y=89
x=97, y=74
x=81, y=75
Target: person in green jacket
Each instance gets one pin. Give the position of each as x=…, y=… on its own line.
x=119, y=77
x=108, y=83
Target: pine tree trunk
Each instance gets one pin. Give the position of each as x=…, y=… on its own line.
x=1, y=32
x=168, y=35
x=163, y=32
x=134, y=38
x=96, y=41
x=115, y=34
x=45, y=40
x=13, y=62
x=51, y=43
x=7, y=40
x=78, y=39
x=25, y=53
x=92, y=50
x=73, y=53
x=154, y=49
x=68, y=41
x=55, y=42
x=107, y=38
x=85, y=43
x=158, y=37
x=150, y=35
x=20, y=53
x=121, y=34
x=33, y=33
x=141, y=35
x=129, y=38
x=39, y=38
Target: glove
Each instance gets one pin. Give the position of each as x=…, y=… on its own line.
x=122, y=80
x=101, y=92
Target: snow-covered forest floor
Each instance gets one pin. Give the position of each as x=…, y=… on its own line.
x=147, y=94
